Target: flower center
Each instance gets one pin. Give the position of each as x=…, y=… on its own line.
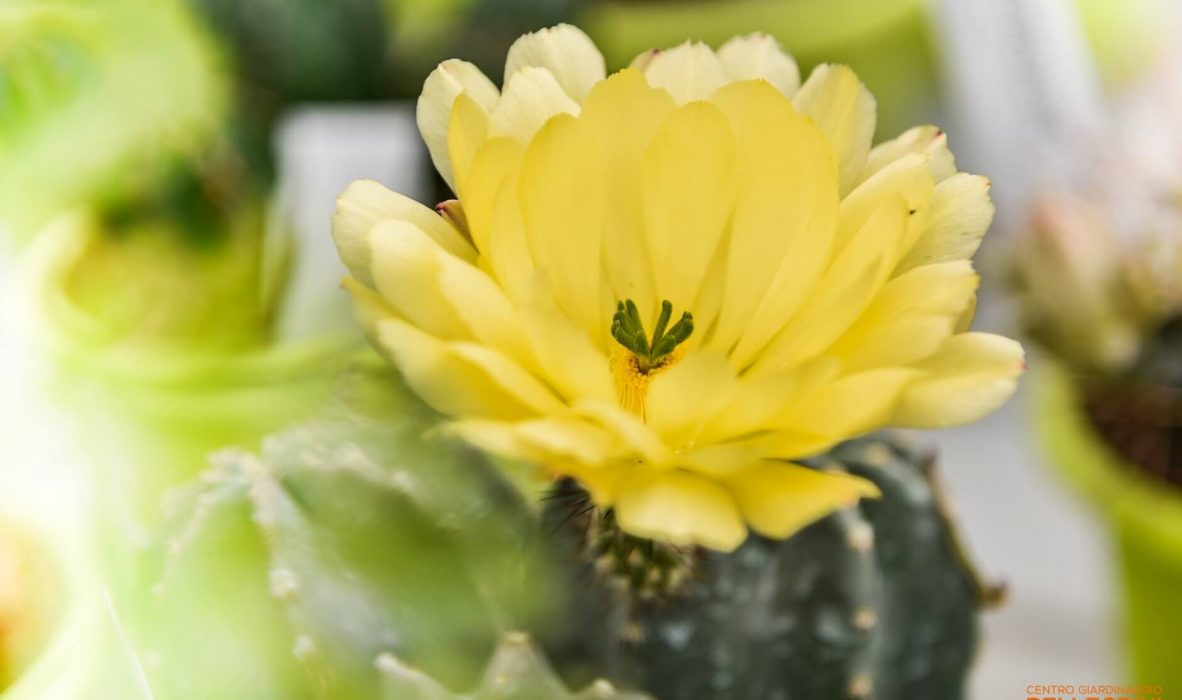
x=634, y=369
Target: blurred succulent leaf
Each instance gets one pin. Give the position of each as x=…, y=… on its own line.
x=353, y=536
x=99, y=287
x=88, y=91
x=517, y=671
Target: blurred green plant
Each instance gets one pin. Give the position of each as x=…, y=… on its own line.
x=88, y=92
x=348, y=540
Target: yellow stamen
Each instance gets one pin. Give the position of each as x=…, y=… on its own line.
x=632, y=382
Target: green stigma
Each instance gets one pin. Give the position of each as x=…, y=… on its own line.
x=628, y=330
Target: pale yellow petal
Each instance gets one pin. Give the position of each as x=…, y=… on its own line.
x=924, y=140
x=623, y=112
x=720, y=459
x=851, y=405
x=756, y=400
x=910, y=318
x=681, y=508
x=444, y=295
x=629, y=428
x=787, y=444
x=369, y=306
x=779, y=499
x=531, y=97
x=683, y=397
x=843, y=293
x=566, y=51
x=572, y=364
x=462, y=379
x=687, y=186
x=406, y=271
x=971, y=376
x=759, y=56
x=562, y=206
x=433, y=113
x=542, y=440
x=688, y=72
x=961, y=214
x=510, y=257
x=845, y=110
x=784, y=214
x=364, y=203
x=602, y=481
x=908, y=178
x=494, y=168
x=467, y=133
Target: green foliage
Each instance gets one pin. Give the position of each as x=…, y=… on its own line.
x=89, y=91
x=349, y=540
x=517, y=671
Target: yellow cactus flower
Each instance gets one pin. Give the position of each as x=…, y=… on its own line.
x=672, y=282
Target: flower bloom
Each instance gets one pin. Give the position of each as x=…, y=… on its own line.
x=671, y=282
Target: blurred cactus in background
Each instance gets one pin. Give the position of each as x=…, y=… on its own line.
x=88, y=93
x=31, y=594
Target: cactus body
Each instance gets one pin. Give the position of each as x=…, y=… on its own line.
x=348, y=541
x=517, y=671
x=876, y=601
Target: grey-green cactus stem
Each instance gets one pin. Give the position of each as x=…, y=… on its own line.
x=874, y=601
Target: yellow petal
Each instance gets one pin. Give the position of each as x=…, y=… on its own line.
x=602, y=481
x=494, y=168
x=972, y=375
x=565, y=51
x=924, y=140
x=845, y=110
x=628, y=427
x=687, y=72
x=369, y=306
x=718, y=460
x=759, y=56
x=910, y=318
x=543, y=440
x=531, y=97
x=841, y=296
x=757, y=399
x=462, y=379
x=433, y=113
x=364, y=203
x=681, y=508
x=444, y=295
x=510, y=257
x=467, y=133
x=851, y=405
x=961, y=213
x=561, y=195
x=779, y=499
x=784, y=215
x=787, y=444
x=684, y=396
x=908, y=178
x=687, y=187
x=623, y=112
x=571, y=362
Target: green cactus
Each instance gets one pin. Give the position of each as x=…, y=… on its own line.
x=517, y=671
x=348, y=541
x=874, y=601
x=90, y=93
